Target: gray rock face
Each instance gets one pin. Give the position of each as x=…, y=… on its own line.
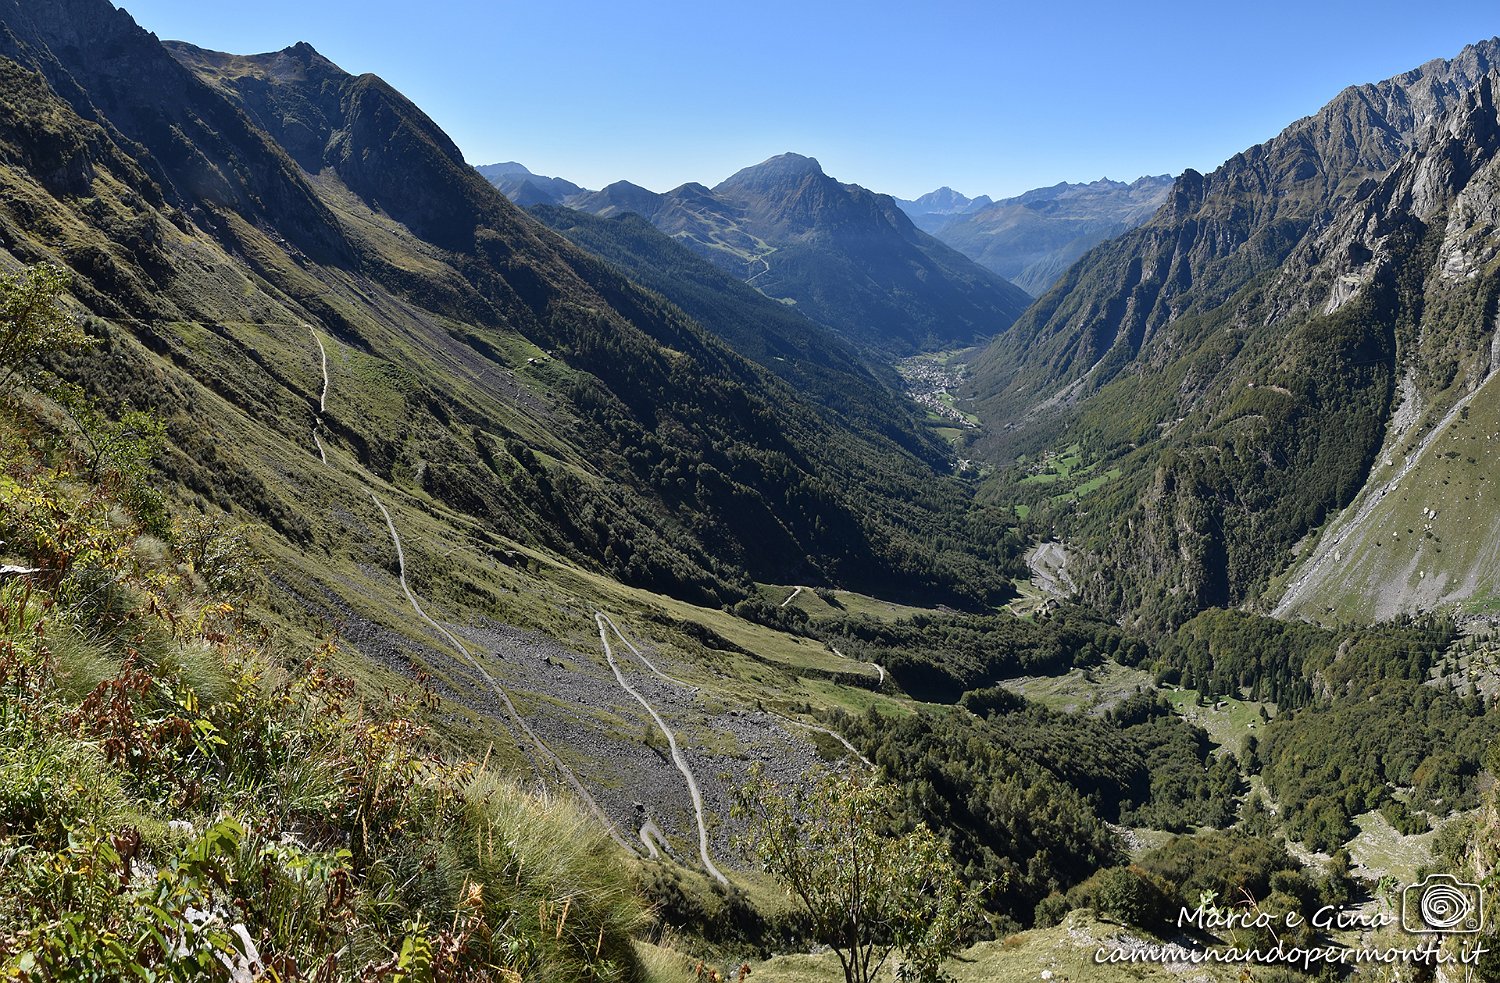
x=1217, y=232
x=1246, y=345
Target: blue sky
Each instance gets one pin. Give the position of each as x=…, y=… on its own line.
x=989, y=98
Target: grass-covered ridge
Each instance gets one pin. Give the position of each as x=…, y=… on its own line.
x=184, y=796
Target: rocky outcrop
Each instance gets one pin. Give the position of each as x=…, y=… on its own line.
x=1216, y=233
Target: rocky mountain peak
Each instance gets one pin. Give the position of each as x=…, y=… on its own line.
x=943, y=200
x=508, y=168
x=1187, y=193
x=770, y=175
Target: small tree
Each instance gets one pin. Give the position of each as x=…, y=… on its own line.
x=868, y=890
x=32, y=323
x=122, y=448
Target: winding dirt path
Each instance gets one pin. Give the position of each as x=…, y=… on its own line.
x=538, y=744
x=323, y=353
x=606, y=619
x=655, y=840
x=601, y=619
x=791, y=597
x=452, y=638
x=557, y=763
x=879, y=669
x=323, y=397
x=831, y=733
x=639, y=655
x=766, y=263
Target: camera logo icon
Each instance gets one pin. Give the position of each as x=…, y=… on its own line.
x=1442, y=903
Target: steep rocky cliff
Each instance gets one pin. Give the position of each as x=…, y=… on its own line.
x=1240, y=359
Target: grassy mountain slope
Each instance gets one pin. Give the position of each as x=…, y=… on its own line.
x=790, y=428
x=806, y=355
x=390, y=244
x=188, y=798
x=549, y=439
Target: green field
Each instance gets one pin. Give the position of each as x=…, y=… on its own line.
x=1053, y=467
x=1092, y=690
x=1068, y=474
x=1226, y=725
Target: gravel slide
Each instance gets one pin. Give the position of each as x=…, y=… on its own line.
x=540, y=746
x=677, y=756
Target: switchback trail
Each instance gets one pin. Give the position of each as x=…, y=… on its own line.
x=323, y=397
x=879, y=669
x=637, y=653
x=653, y=837
x=601, y=619
x=831, y=733
x=499, y=691
x=688, y=686
x=323, y=352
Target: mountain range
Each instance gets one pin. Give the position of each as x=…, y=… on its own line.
x=1232, y=412
x=1032, y=239
x=525, y=188
x=934, y=209
x=843, y=256
x=212, y=207
x=396, y=573
x=1029, y=240
x=1257, y=362
x=455, y=440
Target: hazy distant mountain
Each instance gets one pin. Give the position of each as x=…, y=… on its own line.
x=935, y=208
x=845, y=256
x=1033, y=238
x=525, y=188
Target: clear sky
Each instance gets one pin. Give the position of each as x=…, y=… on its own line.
x=988, y=98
